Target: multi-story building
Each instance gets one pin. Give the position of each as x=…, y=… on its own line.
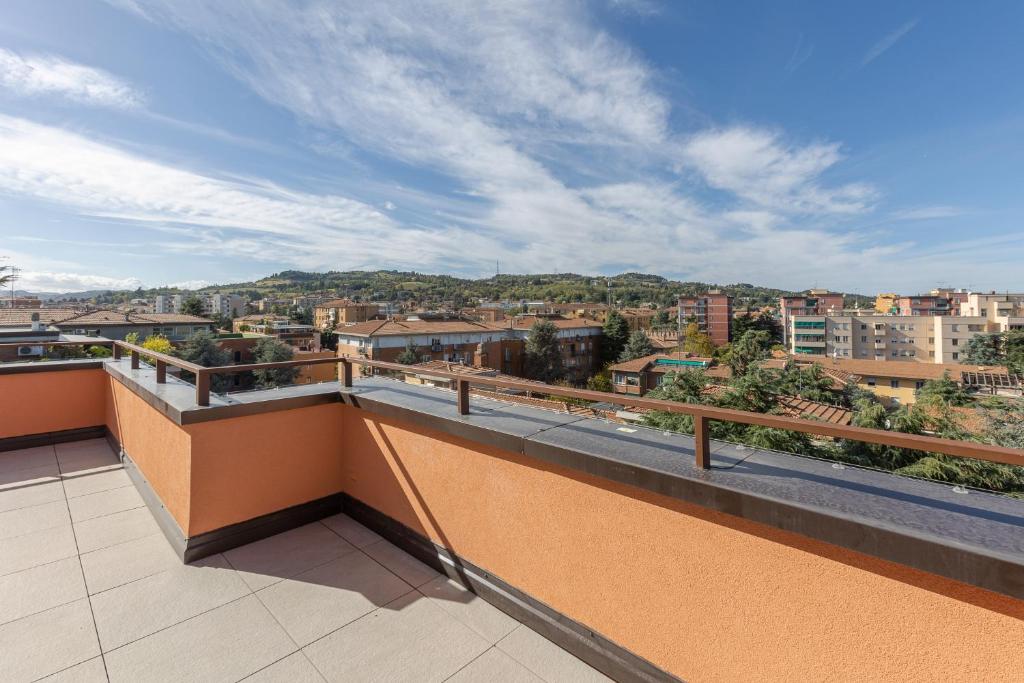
x=1004, y=312
x=330, y=314
x=497, y=346
x=816, y=302
x=897, y=382
x=926, y=304
x=712, y=312
x=214, y=305
x=929, y=339
x=109, y=324
x=887, y=303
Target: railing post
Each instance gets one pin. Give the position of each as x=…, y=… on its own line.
x=702, y=441
x=161, y=371
x=117, y=351
x=135, y=360
x=462, y=389
x=202, y=388
x=345, y=372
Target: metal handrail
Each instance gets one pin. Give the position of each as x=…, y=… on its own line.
x=702, y=414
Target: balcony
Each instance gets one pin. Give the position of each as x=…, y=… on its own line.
x=372, y=529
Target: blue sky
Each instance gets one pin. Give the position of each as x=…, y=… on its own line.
x=863, y=147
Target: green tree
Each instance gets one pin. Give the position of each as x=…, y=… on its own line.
x=602, y=381
x=408, y=355
x=696, y=342
x=661, y=320
x=748, y=350
x=544, y=353
x=192, y=305
x=202, y=349
x=638, y=346
x=271, y=350
x=943, y=392
x=616, y=333
x=985, y=349
x=6, y=275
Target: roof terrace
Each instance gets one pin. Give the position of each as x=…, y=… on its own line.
x=369, y=529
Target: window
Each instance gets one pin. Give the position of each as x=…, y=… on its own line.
x=894, y=384
x=895, y=353
x=238, y=358
x=870, y=381
x=931, y=340
x=863, y=338
x=863, y=326
x=931, y=354
x=919, y=384
x=955, y=328
x=956, y=342
x=956, y=356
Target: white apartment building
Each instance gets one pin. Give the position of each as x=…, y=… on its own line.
x=926, y=339
x=1004, y=312
x=225, y=305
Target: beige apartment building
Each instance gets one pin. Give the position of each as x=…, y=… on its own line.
x=330, y=314
x=927, y=339
x=1004, y=312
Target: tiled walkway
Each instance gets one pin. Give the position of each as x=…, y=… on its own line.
x=90, y=591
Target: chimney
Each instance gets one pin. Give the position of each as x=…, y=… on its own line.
x=36, y=325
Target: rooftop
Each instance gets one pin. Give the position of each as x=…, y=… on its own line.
x=898, y=369
x=90, y=589
x=66, y=317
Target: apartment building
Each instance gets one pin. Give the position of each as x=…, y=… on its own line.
x=712, y=312
x=106, y=323
x=929, y=339
x=497, y=346
x=897, y=382
x=330, y=314
x=1004, y=312
x=815, y=302
x=214, y=305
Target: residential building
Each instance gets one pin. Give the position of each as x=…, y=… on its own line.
x=1004, y=312
x=887, y=304
x=302, y=337
x=497, y=346
x=926, y=304
x=214, y=305
x=897, y=382
x=928, y=339
x=330, y=314
x=20, y=302
x=246, y=323
x=712, y=312
x=110, y=324
x=641, y=375
x=816, y=302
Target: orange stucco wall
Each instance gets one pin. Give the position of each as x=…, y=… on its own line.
x=160, y=448
x=704, y=595
x=249, y=466
x=40, y=402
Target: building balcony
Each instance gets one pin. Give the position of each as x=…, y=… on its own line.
x=375, y=532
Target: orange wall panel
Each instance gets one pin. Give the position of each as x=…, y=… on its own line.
x=245, y=467
x=704, y=595
x=160, y=448
x=40, y=402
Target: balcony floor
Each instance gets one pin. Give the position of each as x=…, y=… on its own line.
x=91, y=591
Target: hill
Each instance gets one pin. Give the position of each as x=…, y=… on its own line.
x=627, y=289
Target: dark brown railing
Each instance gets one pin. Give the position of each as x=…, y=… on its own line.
x=702, y=414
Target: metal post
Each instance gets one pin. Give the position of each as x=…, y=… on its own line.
x=117, y=351
x=203, y=388
x=702, y=441
x=345, y=372
x=135, y=360
x=462, y=389
x=161, y=371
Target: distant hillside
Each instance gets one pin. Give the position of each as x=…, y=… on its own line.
x=627, y=289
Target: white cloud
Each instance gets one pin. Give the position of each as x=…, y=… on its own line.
x=554, y=143
x=191, y=284
x=51, y=75
x=42, y=281
x=887, y=41
x=758, y=166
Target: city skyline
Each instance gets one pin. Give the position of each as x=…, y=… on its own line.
x=149, y=143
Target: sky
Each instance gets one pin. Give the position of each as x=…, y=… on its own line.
x=871, y=146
